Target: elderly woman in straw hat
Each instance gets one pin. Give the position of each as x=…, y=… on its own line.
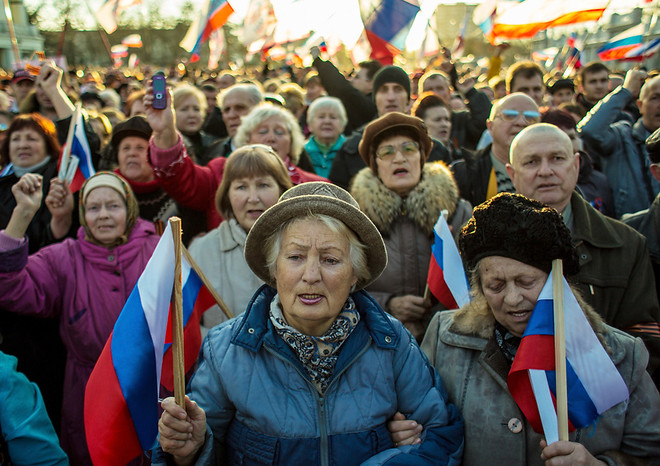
x=83, y=282
x=508, y=246
x=314, y=369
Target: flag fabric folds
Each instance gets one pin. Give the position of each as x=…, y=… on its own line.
x=80, y=159
x=594, y=384
x=109, y=12
x=628, y=45
x=527, y=18
x=121, y=397
x=387, y=27
x=446, y=278
x=213, y=16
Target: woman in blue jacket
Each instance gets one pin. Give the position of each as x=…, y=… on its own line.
x=314, y=368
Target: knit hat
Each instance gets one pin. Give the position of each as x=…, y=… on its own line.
x=109, y=180
x=555, y=85
x=393, y=123
x=135, y=126
x=510, y=225
x=316, y=198
x=653, y=146
x=390, y=74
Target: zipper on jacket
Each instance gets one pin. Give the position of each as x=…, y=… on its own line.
x=323, y=430
x=320, y=400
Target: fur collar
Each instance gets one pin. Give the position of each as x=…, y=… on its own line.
x=435, y=192
x=476, y=319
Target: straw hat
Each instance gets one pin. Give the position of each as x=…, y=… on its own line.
x=317, y=198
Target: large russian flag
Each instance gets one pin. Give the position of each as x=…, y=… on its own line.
x=121, y=397
x=213, y=16
x=80, y=158
x=446, y=278
x=524, y=20
x=629, y=45
x=594, y=384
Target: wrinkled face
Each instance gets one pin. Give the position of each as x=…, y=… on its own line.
x=439, y=86
x=505, y=126
x=533, y=87
x=234, y=107
x=438, y=123
x=562, y=95
x=189, y=116
x=26, y=148
x=326, y=125
x=649, y=106
x=544, y=168
x=398, y=161
x=511, y=289
x=250, y=197
x=273, y=132
x=313, y=275
x=361, y=82
x=596, y=85
x=105, y=214
x=132, y=157
x=392, y=97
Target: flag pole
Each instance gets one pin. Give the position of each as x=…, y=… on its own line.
x=64, y=160
x=177, y=318
x=219, y=301
x=560, y=348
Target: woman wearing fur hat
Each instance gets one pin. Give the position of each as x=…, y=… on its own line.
x=509, y=245
x=83, y=282
x=404, y=197
x=313, y=369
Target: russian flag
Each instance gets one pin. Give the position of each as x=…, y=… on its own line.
x=594, y=384
x=79, y=166
x=446, y=278
x=121, y=397
x=213, y=16
x=387, y=27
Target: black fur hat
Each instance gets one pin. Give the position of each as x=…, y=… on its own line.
x=510, y=225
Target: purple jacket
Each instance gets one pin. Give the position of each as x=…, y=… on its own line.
x=86, y=286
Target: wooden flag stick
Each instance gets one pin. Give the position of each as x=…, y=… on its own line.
x=560, y=348
x=64, y=162
x=220, y=302
x=177, y=318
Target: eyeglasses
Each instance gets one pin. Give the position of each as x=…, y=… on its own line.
x=407, y=149
x=529, y=116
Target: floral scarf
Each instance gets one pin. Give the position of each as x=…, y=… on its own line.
x=317, y=354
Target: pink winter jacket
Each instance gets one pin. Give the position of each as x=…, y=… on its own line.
x=85, y=286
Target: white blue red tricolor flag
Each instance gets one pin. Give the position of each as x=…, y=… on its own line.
x=446, y=279
x=594, y=384
x=79, y=165
x=629, y=45
x=213, y=16
x=121, y=397
x=387, y=26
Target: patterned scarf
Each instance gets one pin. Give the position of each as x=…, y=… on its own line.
x=507, y=342
x=317, y=354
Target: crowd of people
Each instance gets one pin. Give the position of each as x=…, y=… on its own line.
x=308, y=198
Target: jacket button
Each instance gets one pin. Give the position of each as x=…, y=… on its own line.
x=515, y=425
x=111, y=258
x=583, y=257
x=388, y=339
x=250, y=331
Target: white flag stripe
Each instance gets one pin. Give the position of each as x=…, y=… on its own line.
x=541, y=390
